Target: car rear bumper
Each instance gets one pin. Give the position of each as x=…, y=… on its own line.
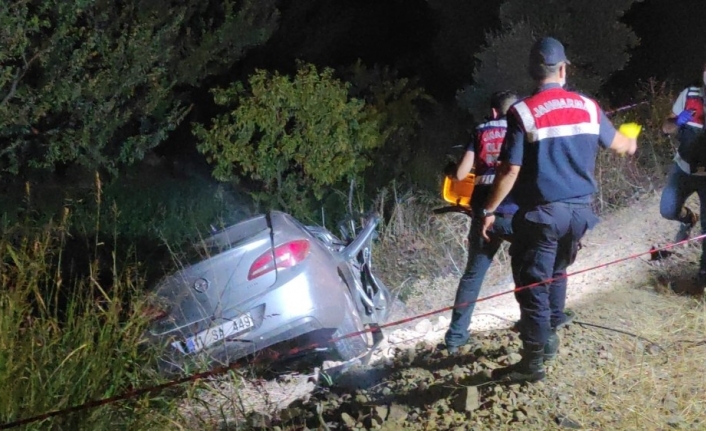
x=299, y=307
x=174, y=361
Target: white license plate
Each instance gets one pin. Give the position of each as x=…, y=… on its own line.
x=213, y=335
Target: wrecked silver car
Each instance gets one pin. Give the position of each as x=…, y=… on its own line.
x=269, y=282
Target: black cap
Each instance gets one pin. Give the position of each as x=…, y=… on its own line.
x=548, y=52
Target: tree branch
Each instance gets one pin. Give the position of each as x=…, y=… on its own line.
x=18, y=77
x=13, y=89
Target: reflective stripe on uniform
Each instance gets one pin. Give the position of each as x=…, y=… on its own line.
x=527, y=120
x=535, y=134
x=494, y=123
x=485, y=179
x=683, y=165
x=569, y=130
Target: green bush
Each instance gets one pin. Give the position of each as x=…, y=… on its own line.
x=297, y=137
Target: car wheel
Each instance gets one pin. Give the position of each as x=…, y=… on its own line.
x=354, y=346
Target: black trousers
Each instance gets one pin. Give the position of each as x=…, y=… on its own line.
x=545, y=244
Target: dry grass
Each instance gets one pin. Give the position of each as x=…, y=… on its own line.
x=65, y=341
x=635, y=384
x=622, y=179
x=415, y=243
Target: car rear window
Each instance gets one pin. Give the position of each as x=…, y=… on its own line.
x=223, y=240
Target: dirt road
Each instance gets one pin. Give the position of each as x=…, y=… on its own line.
x=413, y=385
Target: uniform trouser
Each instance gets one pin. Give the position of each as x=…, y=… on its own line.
x=480, y=256
x=545, y=243
x=679, y=187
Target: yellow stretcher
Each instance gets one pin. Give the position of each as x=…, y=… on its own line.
x=458, y=193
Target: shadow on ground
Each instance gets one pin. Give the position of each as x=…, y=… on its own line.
x=677, y=271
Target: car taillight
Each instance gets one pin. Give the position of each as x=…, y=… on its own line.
x=284, y=256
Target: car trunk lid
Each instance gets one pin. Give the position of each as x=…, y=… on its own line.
x=219, y=281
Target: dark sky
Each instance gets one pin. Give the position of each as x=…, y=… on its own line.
x=673, y=43
x=437, y=45
x=408, y=35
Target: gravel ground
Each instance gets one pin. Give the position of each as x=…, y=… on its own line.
x=640, y=378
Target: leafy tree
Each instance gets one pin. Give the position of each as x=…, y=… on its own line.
x=597, y=44
x=296, y=136
x=395, y=101
x=98, y=82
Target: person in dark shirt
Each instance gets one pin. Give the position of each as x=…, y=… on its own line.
x=548, y=161
x=688, y=173
x=481, y=156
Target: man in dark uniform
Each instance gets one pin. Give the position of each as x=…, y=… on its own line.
x=550, y=150
x=482, y=153
x=688, y=173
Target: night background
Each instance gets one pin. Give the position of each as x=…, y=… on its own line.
x=130, y=129
x=81, y=95
x=190, y=114
x=438, y=43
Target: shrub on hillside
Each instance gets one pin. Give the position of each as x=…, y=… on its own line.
x=295, y=136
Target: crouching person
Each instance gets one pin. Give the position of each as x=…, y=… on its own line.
x=688, y=173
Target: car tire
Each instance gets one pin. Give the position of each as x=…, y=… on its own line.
x=355, y=346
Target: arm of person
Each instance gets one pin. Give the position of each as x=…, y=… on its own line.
x=465, y=166
x=613, y=139
x=669, y=126
x=505, y=178
x=621, y=144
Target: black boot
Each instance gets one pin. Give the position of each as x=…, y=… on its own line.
x=529, y=369
x=551, y=347
x=687, y=221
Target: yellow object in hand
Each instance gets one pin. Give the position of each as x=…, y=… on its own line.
x=631, y=130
